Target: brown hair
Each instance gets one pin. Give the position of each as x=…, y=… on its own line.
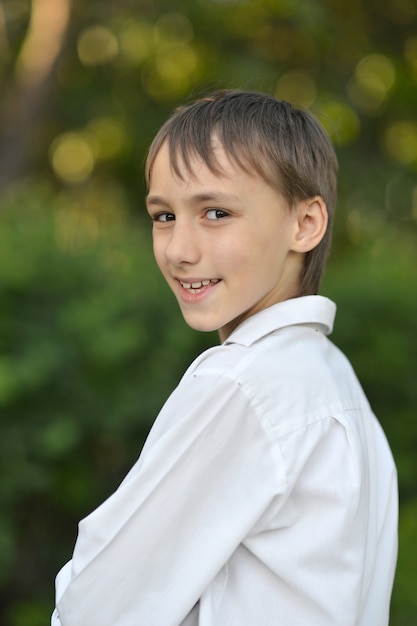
x=287, y=147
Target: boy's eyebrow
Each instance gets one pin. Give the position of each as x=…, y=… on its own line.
x=205, y=196
x=156, y=201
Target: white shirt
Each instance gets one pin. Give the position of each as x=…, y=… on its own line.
x=265, y=495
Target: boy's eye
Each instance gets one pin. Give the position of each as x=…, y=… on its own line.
x=163, y=217
x=216, y=214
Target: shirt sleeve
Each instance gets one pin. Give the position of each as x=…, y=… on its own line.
x=205, y=476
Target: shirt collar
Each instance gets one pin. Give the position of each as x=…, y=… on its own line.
x=316, y=311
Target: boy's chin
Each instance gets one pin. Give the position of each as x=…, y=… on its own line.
x=200, y=325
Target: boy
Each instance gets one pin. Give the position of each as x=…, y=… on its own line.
x=266, y=493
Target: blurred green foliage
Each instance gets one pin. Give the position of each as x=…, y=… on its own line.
x=91, y=342
x=90, y=346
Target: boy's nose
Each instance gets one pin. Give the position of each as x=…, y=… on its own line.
x=183, y=245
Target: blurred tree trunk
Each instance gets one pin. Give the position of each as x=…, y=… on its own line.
x=26, y=95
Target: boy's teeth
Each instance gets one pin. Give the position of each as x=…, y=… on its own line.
x=199, y=284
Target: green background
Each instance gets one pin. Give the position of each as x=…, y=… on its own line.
x=91, y=341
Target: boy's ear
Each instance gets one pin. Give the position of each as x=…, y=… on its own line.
x=312, y=219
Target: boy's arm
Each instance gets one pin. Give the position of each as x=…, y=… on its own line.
x=147, y=554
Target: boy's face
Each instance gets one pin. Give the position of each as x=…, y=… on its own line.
x=224, y=243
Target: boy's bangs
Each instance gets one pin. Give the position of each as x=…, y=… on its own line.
x=199, y=141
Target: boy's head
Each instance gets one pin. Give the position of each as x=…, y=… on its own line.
x=286, y=147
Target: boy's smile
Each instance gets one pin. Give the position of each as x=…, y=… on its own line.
x=226, y=244
x=197, y=286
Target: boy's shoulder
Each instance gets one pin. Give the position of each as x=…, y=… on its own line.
x=283, y=358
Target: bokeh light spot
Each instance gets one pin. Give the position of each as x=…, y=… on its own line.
x=97, y=45
x=108, y=138
x=339, y=119
x=71, y=157
x=173, y=62
x=400, y=141
x=373, y=78
x=171, y=73
x=136, y=41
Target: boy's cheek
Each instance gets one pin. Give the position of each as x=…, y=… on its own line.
x=157, y=254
